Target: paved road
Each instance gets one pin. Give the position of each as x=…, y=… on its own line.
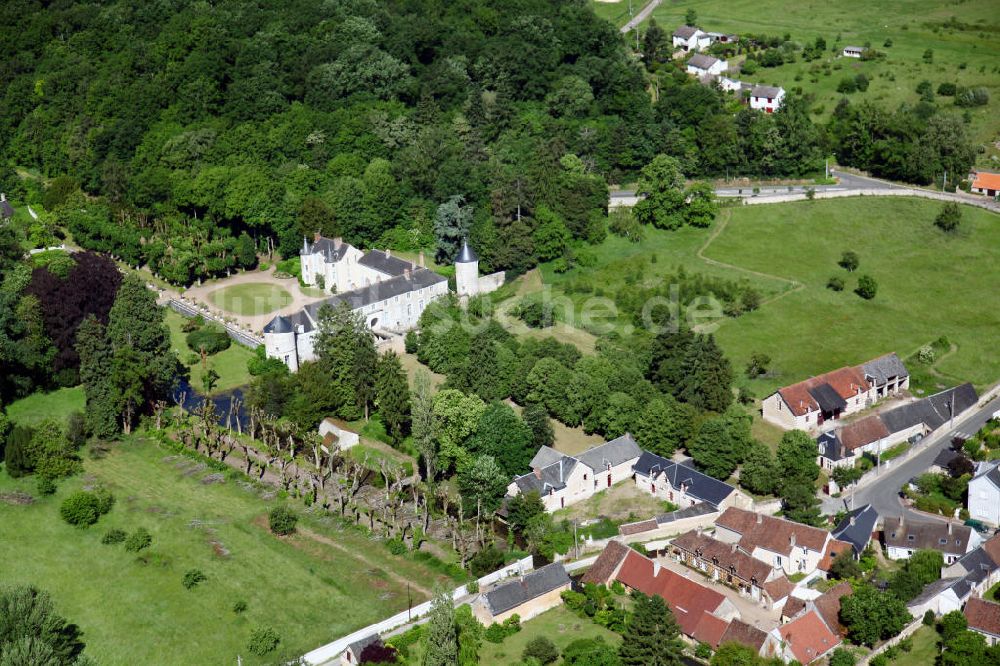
x=641, y=16
x=883, y=494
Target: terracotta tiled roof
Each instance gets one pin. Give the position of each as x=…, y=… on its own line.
x=808, y=637
x=983, y=616
x=987, y=181
x=867, y=430
x=636, y=528
x=744, y=634
x=770, y=533
x=845, y=381
x=724, y=555
x=603, y=570
x=992, y=548
x=793, y=607
x=833, y=549
x=710, y=629
x=828, y=606
x=686, y=598
x=779, y=588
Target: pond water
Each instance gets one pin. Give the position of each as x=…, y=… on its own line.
x=193, y=399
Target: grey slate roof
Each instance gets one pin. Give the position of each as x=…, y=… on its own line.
x=933, y=411
x=383, y=262
x=702, y=61
x=615, y=452
x=551, y=477
x=531, y=586
x=932, y=590
x=380, y=291
x=928, y=535
x=279, y=325
x=466, y=255
x=829, y=446
x=965, y=396
x=333, y=250
x=685, y=31
x=860, y=533
x=357, y=647
x=827, y=398
x=884, y=368
x=699, y=486
x=765, y=91
x=944, y=457
x=546, y=456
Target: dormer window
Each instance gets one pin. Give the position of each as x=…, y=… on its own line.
x=942, y=541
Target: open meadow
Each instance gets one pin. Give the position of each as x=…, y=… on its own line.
x=930, y=284
x=966, y=50
x=312, y=587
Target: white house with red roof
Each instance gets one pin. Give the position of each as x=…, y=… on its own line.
x=766, y=98
x=986, y=183
x=805, y=639
x=810, y=403
x=782, y=544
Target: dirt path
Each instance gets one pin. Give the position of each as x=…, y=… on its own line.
x=326, y=541
x=723, y=222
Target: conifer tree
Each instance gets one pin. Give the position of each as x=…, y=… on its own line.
x=422, y=422
x=95, y=354
x=392, y=396
x=651, y=638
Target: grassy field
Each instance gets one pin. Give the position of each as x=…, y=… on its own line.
x=40, y=406
x=231, y=364
x=254, y=298
x=312, y=587
x=558, y=625
x=924, y=649
x=930, y=285
x=966, y=57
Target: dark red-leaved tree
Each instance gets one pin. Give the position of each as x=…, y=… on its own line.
x=377, y=653
x=88, y=288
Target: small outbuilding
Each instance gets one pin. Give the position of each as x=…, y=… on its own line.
x=527, y=596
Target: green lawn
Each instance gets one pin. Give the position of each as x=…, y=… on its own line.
x=231, y=364
x=135, y=611
x=39, y=406
x=912, y=26
x=924, y=650
x=930, y=285
x=558, y=625
x=254, y=298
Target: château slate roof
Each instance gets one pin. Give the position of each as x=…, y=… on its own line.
x=419, y=278
x=279, y=325
x=552, y=476
x=466, y=255
x=857, y=527
x=613, y=453
x=333, y=249
x=530, y=586
x=383, y=262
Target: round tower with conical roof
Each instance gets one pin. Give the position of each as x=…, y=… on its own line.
x=466, y=271
x=279, y=342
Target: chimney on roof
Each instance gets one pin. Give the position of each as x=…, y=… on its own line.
x=538, y=473
x=791, y=540
x=406, y=273
x=387, y=253
x=760, y=519
x=337, y=242
x=732, y=548
x=852, y=521
x=420, y=259
x=949, y=527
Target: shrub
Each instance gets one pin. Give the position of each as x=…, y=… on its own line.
x=105, y=500
x=842, y=657
x=81, y=509
x=395, y=546
x=861, y=82
x=947, y=89
x=849, y=261
x=949, y=218
x=263, y=640
x=847, y=85
x=542, y=649
x=113, y=537
x=972, y=97
x=193, y=577
x=138, y=540
x=45, y=486
x=534, y=313
x=240, y=607
x=617, y=587
x=703, y=651
x=211, y=339
x=472, y=587
x=486, y=561
x=929, y=619
x=496, y=633
x=835, y=284
x=282, y=520
x=926, y=354
x=193, y=324
x=411, y=342
x=867, y=287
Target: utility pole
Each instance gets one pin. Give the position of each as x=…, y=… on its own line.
x=409, y=603
x=576, y=541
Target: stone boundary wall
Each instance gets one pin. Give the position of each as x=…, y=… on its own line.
x=971, y=200
x=907, y=631
x=242, y=337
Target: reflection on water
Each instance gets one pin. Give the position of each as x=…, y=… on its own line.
x=193, y=399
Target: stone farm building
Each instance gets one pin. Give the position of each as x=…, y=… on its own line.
x=782, y=544
x=873, y=434
x=389, y=293
x=690, y=38
x=562, y=480
x=810, y=403
x=527, y=596
x=726, y=563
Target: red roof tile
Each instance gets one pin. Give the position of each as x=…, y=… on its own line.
x=845, y=381
x=992, y=548
x=779, y=588
x=867, y=430
x=834, y=548
x=710, y=630
x=724, y=555
x=603, y=569
x=636, y=528
x=770, y=533
x=986, y=181
x=808, y=637
x=744, y=634
x=983, y=616
x=793, y=607
x=686, y=598
x=828, y=606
